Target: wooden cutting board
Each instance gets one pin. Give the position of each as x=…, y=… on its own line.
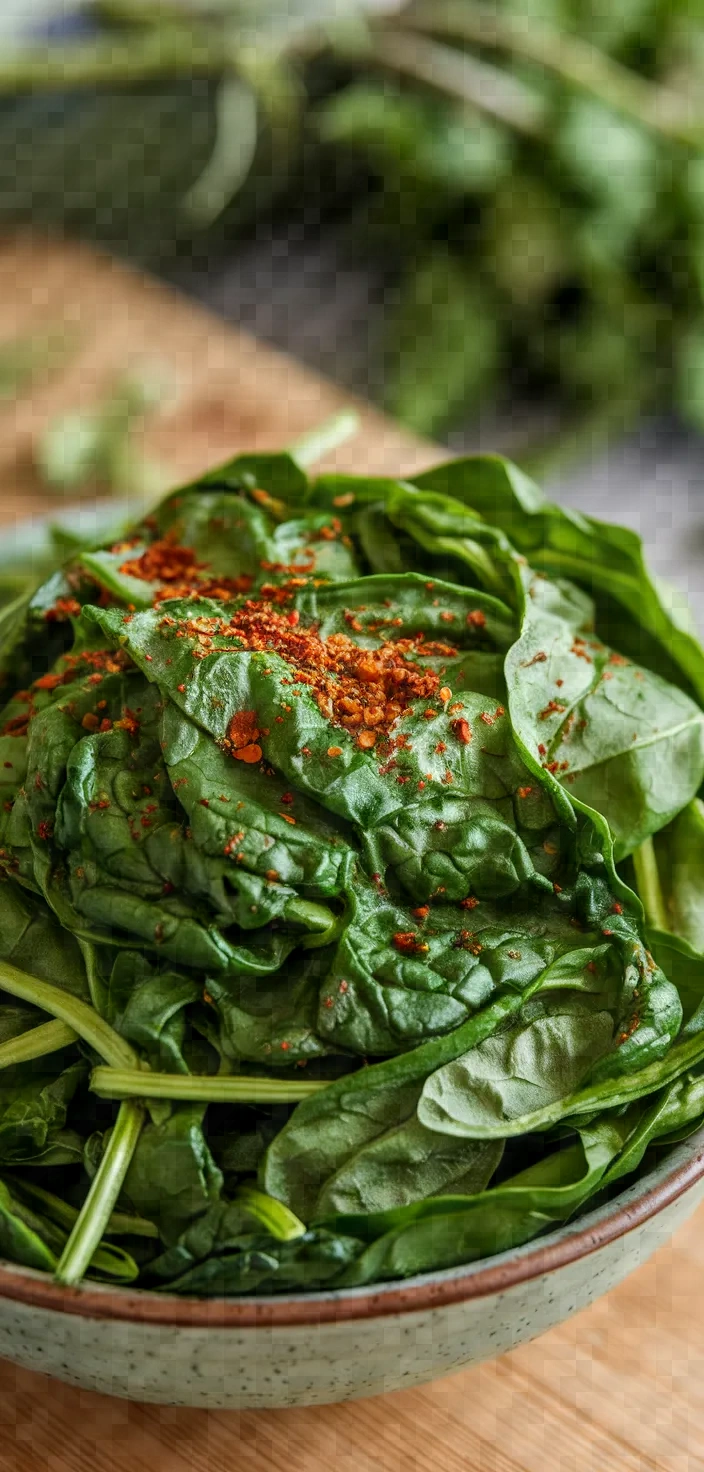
x=620, y=1388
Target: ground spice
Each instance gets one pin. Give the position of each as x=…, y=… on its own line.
x=178, y=572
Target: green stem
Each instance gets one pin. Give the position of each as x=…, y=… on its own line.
x=130, y=1083
x=76, y=1014
x=170, y=53
x=648, y=885
x=38, y=1042
x=106, y=1185
x=571, y=58
x=272, y=1214
x=121, y=1223
x=325, y=438
x=455, y=74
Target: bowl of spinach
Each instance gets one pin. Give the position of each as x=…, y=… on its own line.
x=351, y=935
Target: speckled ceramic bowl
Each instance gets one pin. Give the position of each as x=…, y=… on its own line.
x=306, y=1350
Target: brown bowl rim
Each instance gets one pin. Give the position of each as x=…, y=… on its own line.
x=428, y=1292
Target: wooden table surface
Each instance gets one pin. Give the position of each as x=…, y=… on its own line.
x=620, y=1388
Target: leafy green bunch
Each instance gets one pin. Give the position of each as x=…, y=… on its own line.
x=534, y=171
x=295, y=996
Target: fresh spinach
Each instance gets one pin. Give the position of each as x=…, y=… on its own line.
x=361, y=817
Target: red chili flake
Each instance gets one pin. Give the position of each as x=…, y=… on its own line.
x=551, y=767
x=549, y=847
x=105, y=725
x=287, y=797
x=285, y=1047
x=538, y=658
x=557, y=888
x=447, y=617
x=524, y=791
x=48, y=682
x=99, y=805
x=167, y=887
x=128, y=722
x=9, y=764
x=288, y=819
x=445, y=693
x=448, y=778
x=402, y=780
x=541, y=749
x=553, y=707
x=466, y=941
x=470, y=903
x=591, y=966
x=421, y=785
x=407, y=943
x=486, y=718
x=366, y=740
x=607, y=932
x=181, y=689
x=334, y=751
x=421, y=913
x=515, y=955
x=45, y=829
x=346, y=499
x=90, y=722
x=293, y=618
x=476, y=619
x=329, y=1001
x=616, y=908
x=462, y=730
x=272, y=874
x=343, y=986
x=64, y=608
x=440, y=748
x=440, y=825
x=204, y=802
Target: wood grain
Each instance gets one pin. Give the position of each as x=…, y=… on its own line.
x=618, y=1389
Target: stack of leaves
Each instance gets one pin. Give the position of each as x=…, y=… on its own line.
x=535, y=172
x=326, y=808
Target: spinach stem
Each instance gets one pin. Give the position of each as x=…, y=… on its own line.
x=648, y=884
x=121, y=1223
x=277, y=1218
x=132, y=1083
x=95, y=1214
x=37, y=1042
x=325, y=438
x=77, y=1015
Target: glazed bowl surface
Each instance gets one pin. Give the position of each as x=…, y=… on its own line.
x=310, y=1349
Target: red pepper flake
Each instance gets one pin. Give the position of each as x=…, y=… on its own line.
x=287, y=797
x=288, y=819
x=549, y=847
x=448, y=778
x=63, y=609
x=402, y=780
x=469, y=903
x=366, y=740
x=329, y=1002
x=607, y=932
x=48, y=682
x=343, y=987
x=515, y=955
x=592, y=967
x=486, y=718
x=559, y=683
x=408, y=944
x=346, y=499
x=445, y=694
x=557, y=888
x=524, y=791
x=552, y=767
x=440, y=748
x=272, y=874
x=553, y=707
x=10, y=764
x=249, y=754
x=105, y=725
x=285, y=1047
x=421, y=785
x=462, y=730
x=447, y=617
x=538, y=658
x=90, y=722
x=45, y=829
x=204, y=802
x=181, y=689
x=334, y=751
x=293, y=618
x=466, y=941
x=128, y=722
x=421, y=913
x=541, y=749
x=476, y=619
x=616, y=908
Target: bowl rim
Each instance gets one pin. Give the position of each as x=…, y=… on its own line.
x=672, y=1179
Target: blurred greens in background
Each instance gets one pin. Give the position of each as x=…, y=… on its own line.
x=533, y=170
